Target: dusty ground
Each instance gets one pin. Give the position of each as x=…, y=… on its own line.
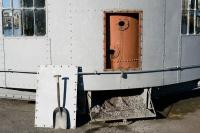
x=183, y=117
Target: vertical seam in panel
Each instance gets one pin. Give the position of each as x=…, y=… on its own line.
x=4, y=56
x=164, y=41
x=180, y=58
x=50, y=51
x=180, y=43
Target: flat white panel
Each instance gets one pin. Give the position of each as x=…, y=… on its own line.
x=190, y=50
x=115, y=82
x=92, y=5
x=173, y=32
x=59, y=31
x=1, y=55
x=2, y=79
x=87, y=47
x=26, y=54
x=46, y=95
x=190, y=56
x=171, y=77
x=190, y=74
x=23, y=81
x=142, y=80
x=172, y=40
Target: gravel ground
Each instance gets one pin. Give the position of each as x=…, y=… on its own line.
x=183, y=117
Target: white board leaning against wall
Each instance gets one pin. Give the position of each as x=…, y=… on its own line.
x=46, y=94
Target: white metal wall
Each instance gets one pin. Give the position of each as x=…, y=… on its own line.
x=87, y=41
x=172, y=51
x=25, y=54
x=59, y=32
x=21, y=54
x=75, y=37
x=190, y=56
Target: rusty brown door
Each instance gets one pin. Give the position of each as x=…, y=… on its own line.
x=124, y=41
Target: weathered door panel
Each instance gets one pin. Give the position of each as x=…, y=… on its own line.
x=124, y=41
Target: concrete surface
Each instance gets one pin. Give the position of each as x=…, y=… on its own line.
x=183, y=117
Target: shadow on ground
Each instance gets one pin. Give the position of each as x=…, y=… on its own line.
x=170, y=100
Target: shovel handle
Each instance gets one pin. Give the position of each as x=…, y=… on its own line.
x=58, y=89
x=65, y=90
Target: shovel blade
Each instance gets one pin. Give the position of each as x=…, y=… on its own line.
x=61, y=118
x=61, y=121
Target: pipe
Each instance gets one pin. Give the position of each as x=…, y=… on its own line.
x=140, y=72
x=18, y=72
x=119, y=72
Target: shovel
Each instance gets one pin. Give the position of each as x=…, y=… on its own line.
x=64, y=99
x=60, y=114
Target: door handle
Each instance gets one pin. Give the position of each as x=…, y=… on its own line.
x=114, y=53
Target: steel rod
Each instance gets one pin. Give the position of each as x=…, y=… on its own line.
x=119, y=72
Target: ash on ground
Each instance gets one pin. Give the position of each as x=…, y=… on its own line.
x=119, y=108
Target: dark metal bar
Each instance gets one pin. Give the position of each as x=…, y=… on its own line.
x=145, y=71
x=119, y=72
x=18, y=72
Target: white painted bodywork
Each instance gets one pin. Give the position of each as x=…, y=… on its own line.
x=75, y=34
